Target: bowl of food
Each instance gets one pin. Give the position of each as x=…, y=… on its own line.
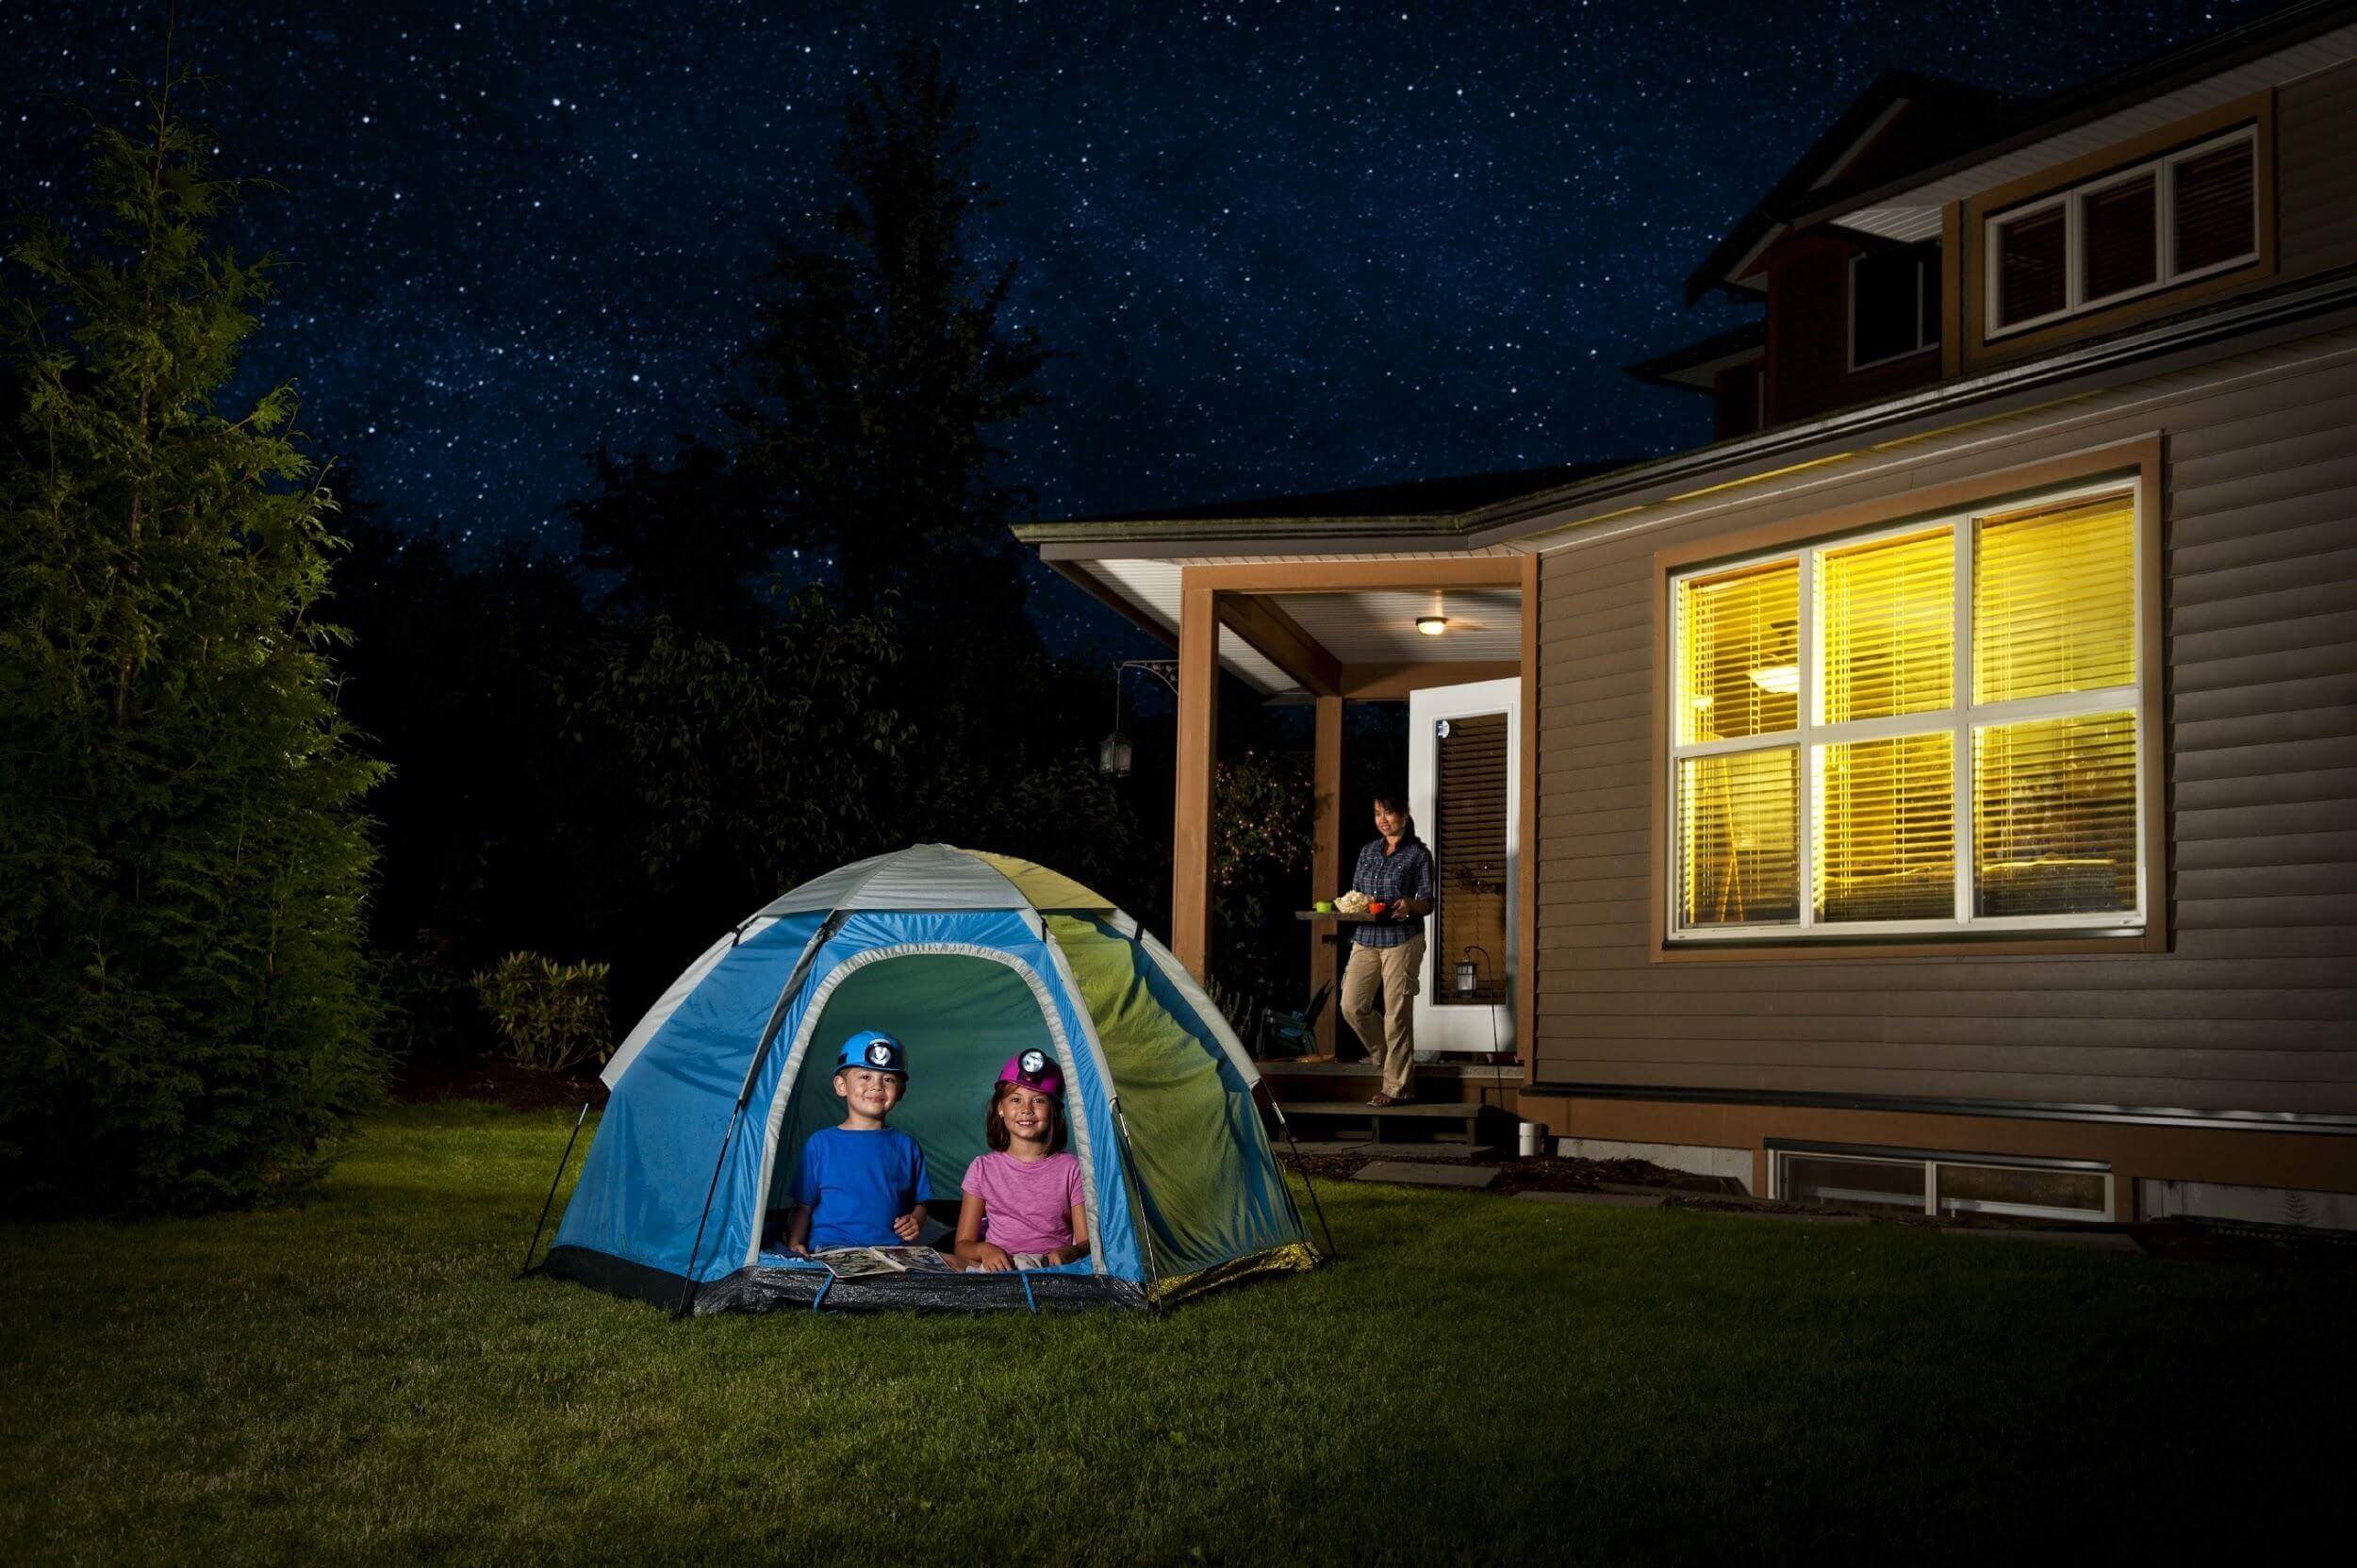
x=1323, y=906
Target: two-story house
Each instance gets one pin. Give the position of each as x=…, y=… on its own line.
x=1940, y=788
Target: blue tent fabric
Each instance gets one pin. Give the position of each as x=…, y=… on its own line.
x=758, y=1024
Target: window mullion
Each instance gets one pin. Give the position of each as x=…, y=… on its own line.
x=1804, y=715
x=1963, y=818
x=2165, y=214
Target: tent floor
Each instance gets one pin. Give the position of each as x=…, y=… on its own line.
x=769, y=1290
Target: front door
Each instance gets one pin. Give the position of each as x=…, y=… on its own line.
x=1464, y=787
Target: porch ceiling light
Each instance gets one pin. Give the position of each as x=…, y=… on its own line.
x=1431, y=625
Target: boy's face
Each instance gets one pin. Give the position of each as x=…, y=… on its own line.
x=869, y=1093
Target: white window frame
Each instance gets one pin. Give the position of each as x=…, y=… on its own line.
x=1923, y=268
x=2072, y=200
x=1962, y=719
x=1934, y=1207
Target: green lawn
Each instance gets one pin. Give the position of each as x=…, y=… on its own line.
x=1479, y=1378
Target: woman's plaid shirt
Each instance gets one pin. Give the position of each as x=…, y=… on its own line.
x=1405, y=873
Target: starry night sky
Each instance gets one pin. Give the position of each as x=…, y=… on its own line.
x=1284, y=246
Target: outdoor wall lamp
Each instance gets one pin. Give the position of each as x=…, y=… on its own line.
x=1468, y=972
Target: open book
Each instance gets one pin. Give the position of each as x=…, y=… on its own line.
x=854, y=1263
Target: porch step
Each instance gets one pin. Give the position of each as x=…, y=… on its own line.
x=1434, y=1113
x=1405, y=1173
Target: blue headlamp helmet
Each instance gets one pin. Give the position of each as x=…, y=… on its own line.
x=875, y=1050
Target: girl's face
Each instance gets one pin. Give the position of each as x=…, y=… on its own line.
x=1390, y=820
x=1029, y=1116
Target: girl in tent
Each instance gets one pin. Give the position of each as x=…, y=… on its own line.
x=1024, y=1199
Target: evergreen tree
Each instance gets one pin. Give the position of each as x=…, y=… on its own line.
x=885, y=366
x=183, y=861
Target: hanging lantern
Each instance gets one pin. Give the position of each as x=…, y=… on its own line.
x=1114, y=754
x=1468, y=972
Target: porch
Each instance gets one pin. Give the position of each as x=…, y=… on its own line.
x=1450, y=635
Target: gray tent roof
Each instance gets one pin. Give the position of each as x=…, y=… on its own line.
x=923, y=876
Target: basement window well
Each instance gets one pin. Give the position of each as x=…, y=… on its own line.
x=1942, y=1185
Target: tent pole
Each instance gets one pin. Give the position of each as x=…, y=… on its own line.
x=1286, y=1129
x=687, y=1287
x=546, y=1203
x=1137, y=1211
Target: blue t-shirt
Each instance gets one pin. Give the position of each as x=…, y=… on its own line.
x=857, y=1183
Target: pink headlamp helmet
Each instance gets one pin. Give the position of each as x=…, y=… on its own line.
x=1035, y=1070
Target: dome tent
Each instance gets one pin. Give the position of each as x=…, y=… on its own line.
x=968, y=958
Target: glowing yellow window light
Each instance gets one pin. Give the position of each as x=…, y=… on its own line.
x=2054, y=812
x=1886, y=830
x=2054, y=601
x=1739, y=851
x=1888, y=610
x=1738, y=656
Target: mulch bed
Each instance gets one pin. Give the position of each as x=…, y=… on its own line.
x=2191, y=1241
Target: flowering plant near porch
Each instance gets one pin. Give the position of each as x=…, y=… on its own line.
x=1260, y=844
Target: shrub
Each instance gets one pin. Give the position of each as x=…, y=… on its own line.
x=553, y=1016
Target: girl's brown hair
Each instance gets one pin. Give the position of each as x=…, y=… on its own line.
x=995, y=1127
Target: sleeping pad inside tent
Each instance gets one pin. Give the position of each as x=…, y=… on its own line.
x=968, y=958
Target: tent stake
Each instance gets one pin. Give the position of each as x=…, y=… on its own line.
x=1286, y=1129
x=546, y=1203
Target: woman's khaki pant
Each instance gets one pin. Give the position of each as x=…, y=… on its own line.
x=1388, y=975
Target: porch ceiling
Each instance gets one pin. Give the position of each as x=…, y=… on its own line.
x=1360, y=626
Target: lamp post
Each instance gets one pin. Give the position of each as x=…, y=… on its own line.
x=1115, y=753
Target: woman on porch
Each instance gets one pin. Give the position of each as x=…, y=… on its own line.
x=1386, y=958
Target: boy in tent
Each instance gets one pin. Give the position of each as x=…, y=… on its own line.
x=861, y=1183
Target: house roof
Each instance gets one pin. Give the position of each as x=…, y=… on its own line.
x=1415, y=504
x=1903, y=119
x=1951, y=126
x=1697, y=364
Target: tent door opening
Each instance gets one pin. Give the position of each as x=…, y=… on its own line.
x=959, y=1018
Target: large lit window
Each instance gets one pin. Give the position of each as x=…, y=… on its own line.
x=1931, y=728
x=2131, y=232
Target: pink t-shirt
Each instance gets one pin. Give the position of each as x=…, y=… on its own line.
x=1026, y=1207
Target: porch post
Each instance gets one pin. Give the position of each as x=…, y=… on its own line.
x=1198, y=749
x=1325, y=858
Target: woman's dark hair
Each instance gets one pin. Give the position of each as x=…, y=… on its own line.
x=995, y=1127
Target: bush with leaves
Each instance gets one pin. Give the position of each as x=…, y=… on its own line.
x=183, y=858
x=1261, y=845
x=553, y=1016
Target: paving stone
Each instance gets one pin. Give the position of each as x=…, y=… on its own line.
x=1411, y=1174
x=1601, y=1200
x=1457, y=1152
x=2101, y=1240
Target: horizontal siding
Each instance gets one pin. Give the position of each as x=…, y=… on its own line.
x=2253, y=1007
x=2315, y=125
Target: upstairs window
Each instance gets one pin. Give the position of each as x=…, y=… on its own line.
x=2133, y=232
x=1894, y=303
x=1924, y=730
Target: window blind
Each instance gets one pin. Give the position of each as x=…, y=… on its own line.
x=2054, y=601
x=2054, y=800
x=1886, y=830
x=1739, y=860
x=1738, y=652
x=1888, y=611
x=2213, y=199
x=2122, y=246
x=1468, y=845
x=2030, y=258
